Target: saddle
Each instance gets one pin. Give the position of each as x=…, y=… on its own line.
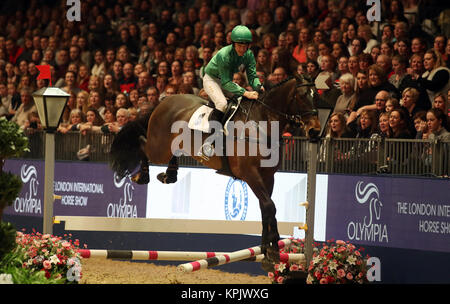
x=200, y=121
x=202, y=117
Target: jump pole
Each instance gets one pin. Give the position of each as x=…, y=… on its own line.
x=173, y=255
x=227, y=258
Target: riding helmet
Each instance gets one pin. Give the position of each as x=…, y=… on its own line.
x=241, y=34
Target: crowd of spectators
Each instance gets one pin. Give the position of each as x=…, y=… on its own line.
x=389, y=78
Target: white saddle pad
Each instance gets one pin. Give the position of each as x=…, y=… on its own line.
x=199, y=120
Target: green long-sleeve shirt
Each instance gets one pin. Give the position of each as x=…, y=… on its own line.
x=227, y=62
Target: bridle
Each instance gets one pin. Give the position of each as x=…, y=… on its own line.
x=295, y=118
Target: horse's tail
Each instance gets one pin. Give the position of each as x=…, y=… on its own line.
x=126, y=152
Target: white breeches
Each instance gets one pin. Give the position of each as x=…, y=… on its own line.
x=214, y=90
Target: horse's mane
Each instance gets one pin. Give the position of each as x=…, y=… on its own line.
x=271, y=86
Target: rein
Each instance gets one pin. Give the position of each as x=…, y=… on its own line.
x=295, y=118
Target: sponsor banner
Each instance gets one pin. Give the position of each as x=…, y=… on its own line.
x=202, y=194
x=408, y=213
x=86, y=189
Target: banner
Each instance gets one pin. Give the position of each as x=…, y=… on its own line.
x=410, y=213
x=87, y=189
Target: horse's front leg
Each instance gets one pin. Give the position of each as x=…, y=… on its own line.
x=270, y=237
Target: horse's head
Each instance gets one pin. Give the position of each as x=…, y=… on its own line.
x=302, y=106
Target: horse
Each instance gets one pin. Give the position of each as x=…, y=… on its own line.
x=289, y=103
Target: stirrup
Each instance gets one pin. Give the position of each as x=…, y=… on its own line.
x=229, y=113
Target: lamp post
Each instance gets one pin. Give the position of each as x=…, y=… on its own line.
x=50, y=103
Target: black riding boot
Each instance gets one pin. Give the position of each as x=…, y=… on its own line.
x=216, y=115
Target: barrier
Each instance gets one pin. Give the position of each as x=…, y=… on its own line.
x=350, y=156
x=227, y=258
x=174, y=255
x=93, y=223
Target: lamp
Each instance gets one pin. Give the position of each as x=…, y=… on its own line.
x=50, y=103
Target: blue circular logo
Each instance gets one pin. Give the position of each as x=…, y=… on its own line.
x=236, y=200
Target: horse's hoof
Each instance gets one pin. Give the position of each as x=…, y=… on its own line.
x=141, y=178
x=166, y=179
x=272, y=255
x=267, y=265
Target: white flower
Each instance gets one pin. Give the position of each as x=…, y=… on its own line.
x=332, y=265
x=6, y=278
x=351, y=260
x=54, y=259
x=282, y=267
x=316, y=259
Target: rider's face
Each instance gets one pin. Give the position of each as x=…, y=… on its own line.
x=240, y=48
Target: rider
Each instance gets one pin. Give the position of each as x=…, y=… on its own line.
x=229, y=60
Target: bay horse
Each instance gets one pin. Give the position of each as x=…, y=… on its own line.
x=289, y=102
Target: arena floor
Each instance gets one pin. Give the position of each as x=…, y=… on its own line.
x=101, y=271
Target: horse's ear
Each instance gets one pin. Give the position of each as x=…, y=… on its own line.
x=298, y=78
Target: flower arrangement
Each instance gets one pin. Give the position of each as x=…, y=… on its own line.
x=48, y=258
x=332, y=263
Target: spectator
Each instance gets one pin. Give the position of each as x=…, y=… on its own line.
x=398, y=123
x=312, y=68
x=299, y=52
x=346, y=102
x=365, y=125
x=121, y=101
x=437, y=125
x=93, y=122
x=4, y=101
x=144, y=81
x=365, y=32
x=26, y=107
x=76, y=118
x=128, y=82
x=399, y=64
x=83, y=78
x=122, y=118
x=385, y=62
x=110, y=86
x=403, y=48
x=353, y=65
x=441, y=102
x=378, y=106
x=365, y=61
x=176, y=69
x=99, y=67
x=436, y=78
x=82, y=101
x=337, y=127
x=420, y=124
x=391, y=104
x=263, y=61
x=358, y=46
x=279, y=75
x=383, y=125
x=189, y=78
x=418, y=46
x=96, y=102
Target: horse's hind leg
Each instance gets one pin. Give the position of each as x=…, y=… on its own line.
x=142, y=177
x=170, y=176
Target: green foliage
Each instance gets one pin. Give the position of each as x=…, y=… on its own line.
x=7, y=238
x=10, y=186
x=41, y=259
x=13, y=141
